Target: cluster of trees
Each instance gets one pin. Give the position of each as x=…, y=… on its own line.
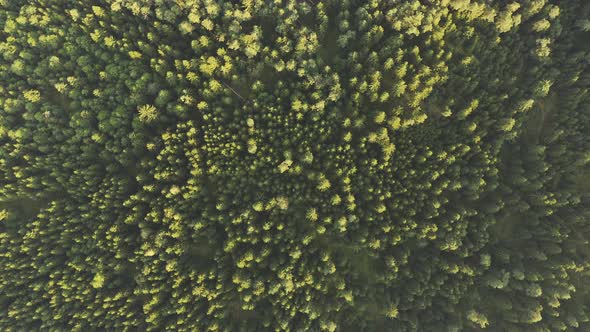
x=294, y=165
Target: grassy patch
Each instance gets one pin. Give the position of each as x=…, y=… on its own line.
x=20, y=210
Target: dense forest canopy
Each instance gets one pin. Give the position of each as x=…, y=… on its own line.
x=339, y=165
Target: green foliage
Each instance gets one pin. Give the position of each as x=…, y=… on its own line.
x=294, y=165
x=147, y=113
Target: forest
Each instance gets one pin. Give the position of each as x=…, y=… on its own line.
x=295, y=165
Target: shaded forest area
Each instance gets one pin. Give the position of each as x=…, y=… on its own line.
x=334, y=165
